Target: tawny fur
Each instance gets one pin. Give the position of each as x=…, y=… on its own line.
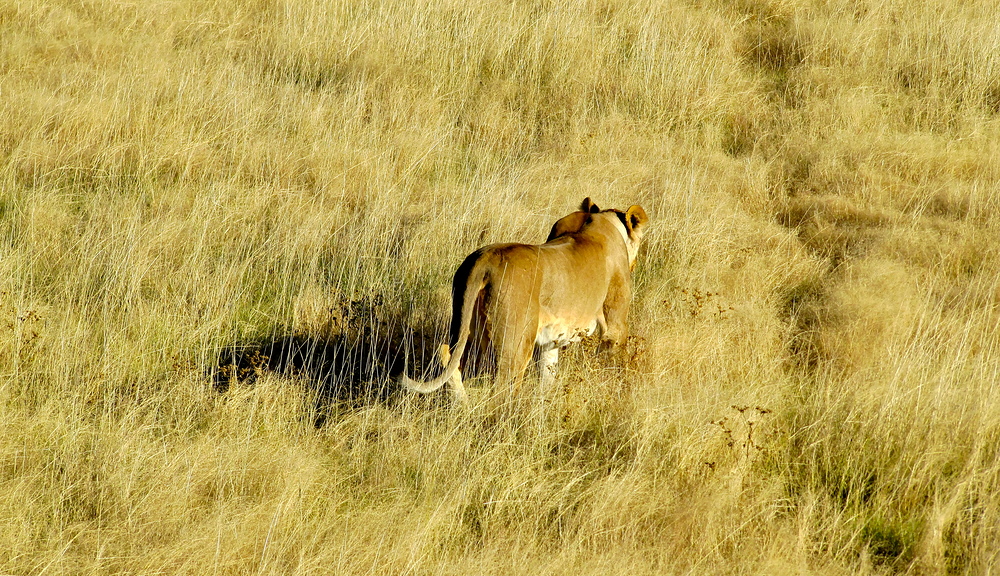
x=516, y=298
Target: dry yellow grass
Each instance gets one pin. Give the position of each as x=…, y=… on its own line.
x=813, y=383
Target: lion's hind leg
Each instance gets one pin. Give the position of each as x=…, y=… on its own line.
x=547, y=361
x=455, y=382
x=514, y=343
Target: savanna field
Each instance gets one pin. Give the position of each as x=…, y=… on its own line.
x=224, y=225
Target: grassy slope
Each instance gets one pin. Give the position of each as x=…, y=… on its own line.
x=817, y=307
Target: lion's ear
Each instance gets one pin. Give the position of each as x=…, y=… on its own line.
x=636, y=218
x=588, y=206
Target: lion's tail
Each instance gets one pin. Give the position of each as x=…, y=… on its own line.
x=470, y=279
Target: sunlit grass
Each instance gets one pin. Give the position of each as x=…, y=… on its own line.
x=815, y=351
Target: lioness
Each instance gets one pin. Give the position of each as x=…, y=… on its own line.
x=517, y=297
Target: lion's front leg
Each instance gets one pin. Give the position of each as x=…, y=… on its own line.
x=614, y=314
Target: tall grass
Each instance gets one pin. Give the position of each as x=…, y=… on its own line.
x=810, y=384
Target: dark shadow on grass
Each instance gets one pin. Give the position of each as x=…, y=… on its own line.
x=346, y=368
